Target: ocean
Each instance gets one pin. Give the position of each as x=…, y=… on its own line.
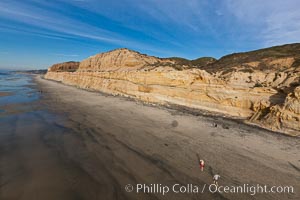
x=16, y=88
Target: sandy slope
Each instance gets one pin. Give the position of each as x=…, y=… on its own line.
x=108, y=142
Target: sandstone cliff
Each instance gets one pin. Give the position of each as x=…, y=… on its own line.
x=259, y=86
x=64, y=67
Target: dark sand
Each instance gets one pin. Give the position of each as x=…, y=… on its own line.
x=90, y=146
x=3, y=94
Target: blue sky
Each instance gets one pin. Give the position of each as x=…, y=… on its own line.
x=38, y=33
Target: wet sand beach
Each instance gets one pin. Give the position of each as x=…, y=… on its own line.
x=75, y=144
x=3, y=94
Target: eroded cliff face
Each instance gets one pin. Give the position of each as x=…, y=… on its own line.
x=267, y=96
x=283, y=117
x=64, y=67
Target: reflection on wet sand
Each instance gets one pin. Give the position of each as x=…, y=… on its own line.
x=3, y=94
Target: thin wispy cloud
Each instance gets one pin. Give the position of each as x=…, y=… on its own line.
x=61, y=24
x=66, y=55
x=53, y=21
x=163, y=28
x=38, y=33
x=277, y=22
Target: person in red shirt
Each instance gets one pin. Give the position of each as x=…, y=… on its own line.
x=201, y=165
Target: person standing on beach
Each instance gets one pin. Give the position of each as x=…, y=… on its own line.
x=201, y=164
x=216, y=178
